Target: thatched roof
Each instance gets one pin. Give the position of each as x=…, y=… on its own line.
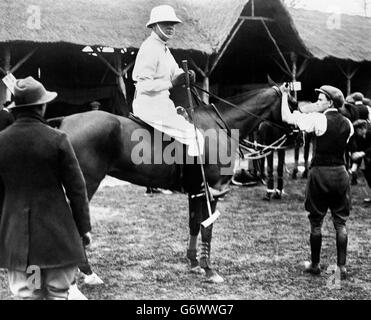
x=118, y=23
x=326, y=35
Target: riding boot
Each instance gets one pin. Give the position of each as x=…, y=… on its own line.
x=341, y=246
x=205, y=255
x=315, y=247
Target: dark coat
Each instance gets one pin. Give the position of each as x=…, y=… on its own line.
x=6, y=119
x=38, y=226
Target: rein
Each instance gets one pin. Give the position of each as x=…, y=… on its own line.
x=272, y=124
x=244, y=144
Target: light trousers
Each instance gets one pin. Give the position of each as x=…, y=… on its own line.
x=53, y=284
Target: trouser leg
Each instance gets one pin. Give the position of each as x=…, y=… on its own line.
x=281, y=164
x=341, y=241
x=270, y=178
x=57, y=282
x=21, y=286
x=315, y=241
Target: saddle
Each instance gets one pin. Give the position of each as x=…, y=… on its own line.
x=182, y=178
x=139, y=121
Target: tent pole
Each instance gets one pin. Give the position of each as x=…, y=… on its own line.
x=119, y=75
x=219, y=56
x=349, y=74
x=5, y=94
x=276, y=45
x=23, y=60
x=205, y=78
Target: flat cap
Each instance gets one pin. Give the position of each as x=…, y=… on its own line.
x=333, y=94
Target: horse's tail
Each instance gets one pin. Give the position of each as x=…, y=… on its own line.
x=55, y=122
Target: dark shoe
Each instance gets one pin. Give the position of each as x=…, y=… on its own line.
x=353, y=180
x=312, y=269
x=343, y=272
x=277, y=195
x=294, y=174
x=305, y=174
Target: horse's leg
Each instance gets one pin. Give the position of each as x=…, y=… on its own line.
x=194, y=230
x=270, y=180
x=294, y=173
x=262, y=168
x=206, y=235
x=280, y=165
x=308, y=138
x=197, y=213
x=94, y=172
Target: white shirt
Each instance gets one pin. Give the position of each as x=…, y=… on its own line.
x=314, y=122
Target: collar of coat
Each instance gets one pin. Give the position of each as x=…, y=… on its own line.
x=30, y=116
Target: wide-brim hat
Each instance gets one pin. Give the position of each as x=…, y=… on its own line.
x=334, y=94
x=30, y=92
x=163, y=13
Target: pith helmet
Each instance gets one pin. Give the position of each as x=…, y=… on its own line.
x=161, y=14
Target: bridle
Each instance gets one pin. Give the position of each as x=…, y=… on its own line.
x=255, y=150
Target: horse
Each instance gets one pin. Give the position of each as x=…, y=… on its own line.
x=105, y=143
x=268, y=135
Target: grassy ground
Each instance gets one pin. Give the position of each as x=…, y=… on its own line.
x=139, y=246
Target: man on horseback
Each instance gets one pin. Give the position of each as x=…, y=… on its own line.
x=155, y=72
x=328, y=183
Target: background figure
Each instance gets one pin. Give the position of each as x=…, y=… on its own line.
x=360, y=149
x=95, y=105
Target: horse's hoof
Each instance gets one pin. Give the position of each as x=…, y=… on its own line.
x=267, y=197
x=197, y=270
x=213, y=276
x=305, y=174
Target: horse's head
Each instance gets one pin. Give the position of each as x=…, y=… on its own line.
x=276, y=111
x=275, y=115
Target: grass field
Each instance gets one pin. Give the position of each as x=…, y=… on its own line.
x=139, y=246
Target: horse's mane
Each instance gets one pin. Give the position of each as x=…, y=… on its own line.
x=247, y=95
x=250, y=99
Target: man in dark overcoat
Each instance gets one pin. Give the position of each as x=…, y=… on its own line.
x=45, y=215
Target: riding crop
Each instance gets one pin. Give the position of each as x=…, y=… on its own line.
x=215, y=215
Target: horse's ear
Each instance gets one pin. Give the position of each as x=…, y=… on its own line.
x=271, y=82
